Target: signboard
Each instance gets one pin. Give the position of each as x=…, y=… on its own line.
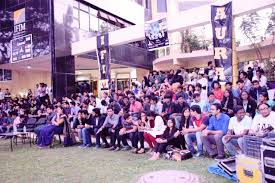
x=221, y=18
x=21, y=48
x=104, y=84
x=19, y=22
x=103, y=57
x=156, y=34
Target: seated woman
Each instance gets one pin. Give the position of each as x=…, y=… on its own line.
x=228, y=102
x=168, y=138
x=46, y=134
x=150, y=134
x=142, y=124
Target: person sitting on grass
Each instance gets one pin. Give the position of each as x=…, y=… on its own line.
x=167, y=138
x=217, y=128
x=192, y=134
x=129, y=130
x=239, y=126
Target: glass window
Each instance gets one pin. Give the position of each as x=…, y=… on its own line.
x=161, y=6
x=93, y=23
x=75, y=23
x=75, y=4
x=75, y=12
x=93, y=11
x=83, y=7
x=84, y=20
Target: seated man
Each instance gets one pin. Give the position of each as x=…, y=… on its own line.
x=197, y=124
x=96, y=122
x=217, y=128
x=263, y=123
x=239, y=126
x=129, y=130
x=78, y=124
x=177, y=108
x=110, y=127
x=85, y=121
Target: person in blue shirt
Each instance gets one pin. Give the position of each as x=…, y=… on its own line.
x=217, y=128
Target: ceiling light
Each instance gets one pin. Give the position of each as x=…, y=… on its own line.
x=29, y=67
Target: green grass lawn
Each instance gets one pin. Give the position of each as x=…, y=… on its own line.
x=74, y=165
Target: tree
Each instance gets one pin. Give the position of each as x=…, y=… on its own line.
x=251, y=30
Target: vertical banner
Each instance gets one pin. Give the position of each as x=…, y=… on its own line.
x=156, y=34
x=221, y=18
x=103, y=57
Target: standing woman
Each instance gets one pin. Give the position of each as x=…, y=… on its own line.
x=46, y=134
x=249, y=104
x=167, y=138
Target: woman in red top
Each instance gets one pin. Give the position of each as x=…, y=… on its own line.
x=218, y=92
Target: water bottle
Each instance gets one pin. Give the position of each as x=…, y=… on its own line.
x=14, y=128
x=24, y=129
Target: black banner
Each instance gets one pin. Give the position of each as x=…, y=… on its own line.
x=103, y=57
x=221, y=18
x=156, y=34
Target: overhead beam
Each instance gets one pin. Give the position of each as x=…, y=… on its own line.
x=190, y=18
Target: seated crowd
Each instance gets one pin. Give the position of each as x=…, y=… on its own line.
x=167, y=109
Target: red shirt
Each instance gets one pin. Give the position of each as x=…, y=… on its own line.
x=218, y=94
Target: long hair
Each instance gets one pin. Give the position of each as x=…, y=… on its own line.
x=184, y=120
x=229, y=99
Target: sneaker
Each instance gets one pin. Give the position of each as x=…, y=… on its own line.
x=117, y=149
x=219, y=158
x=112, y=148
x=106, y=146
x=97, y=146
x=199, y=155
x=213, y=156
x=82, y=146
x=88, y=146
x=126, y=148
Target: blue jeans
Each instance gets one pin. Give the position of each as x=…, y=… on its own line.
x=233, y=144
x=86, y=136
x=194, y=137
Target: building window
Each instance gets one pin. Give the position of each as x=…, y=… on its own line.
x=161, y=6
x=83, y=7
x=84, y=20
x=93, y=23
x=75, y=12
x=5, y=75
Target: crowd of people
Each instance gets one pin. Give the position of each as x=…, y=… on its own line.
x=177, y=109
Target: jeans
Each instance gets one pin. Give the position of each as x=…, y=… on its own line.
x=141, y=139
x=232, y=145
x=210, y=140
x=86, y=136
x=132, y=136
x=178, y=121
x=194, y=137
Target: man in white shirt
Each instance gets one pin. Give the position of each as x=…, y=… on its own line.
x=199, y=102
x=261, y=78
x=264, y=122
x=239, y=126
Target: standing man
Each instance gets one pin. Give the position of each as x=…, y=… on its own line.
x=217, y=128
x=239, y=126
